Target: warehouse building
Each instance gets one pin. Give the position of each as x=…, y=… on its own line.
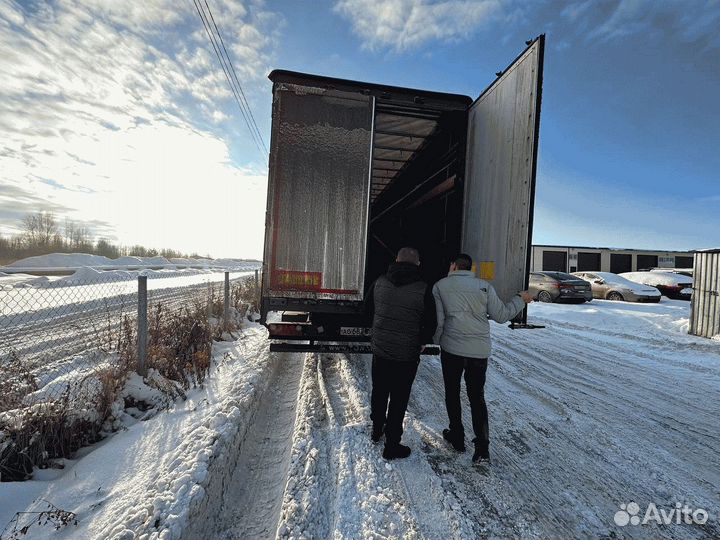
x=602, y=259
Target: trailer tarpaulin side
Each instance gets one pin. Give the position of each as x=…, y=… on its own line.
x=500, y=173
x=319, y=193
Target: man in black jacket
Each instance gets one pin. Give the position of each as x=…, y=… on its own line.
x=404, y=318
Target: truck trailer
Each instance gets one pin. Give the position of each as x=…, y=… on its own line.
x=358, y=170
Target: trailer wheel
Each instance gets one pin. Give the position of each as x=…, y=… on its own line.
x=544, y=296
x=614, y=295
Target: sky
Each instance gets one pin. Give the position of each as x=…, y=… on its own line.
x=117, y=115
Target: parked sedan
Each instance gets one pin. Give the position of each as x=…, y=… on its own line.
x=614, y=287
x=557, y=286
x=671, y=285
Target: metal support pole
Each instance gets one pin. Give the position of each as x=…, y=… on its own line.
x=226, y=307
x=142, y=325
x=257, y=278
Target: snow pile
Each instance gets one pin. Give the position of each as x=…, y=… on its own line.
x=62, y=260
x=90, y=275
x=669, y=317
x=58, y=261
x=657, y=278
x=149, y=478
x=128, y=261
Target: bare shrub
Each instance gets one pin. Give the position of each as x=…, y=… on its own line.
x=35, y=434
x=245, y=292
x=180, y=344
x=23, y=521
x=16, y=382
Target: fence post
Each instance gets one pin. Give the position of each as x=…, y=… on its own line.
x=142, y=325
x=257, y=277
x=226, y=307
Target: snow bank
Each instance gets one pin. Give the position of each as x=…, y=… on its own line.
x=62, y=260
x=657, y=278
x=147, y=480
x=58, y=261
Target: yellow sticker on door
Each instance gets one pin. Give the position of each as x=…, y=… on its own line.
x=487, y=270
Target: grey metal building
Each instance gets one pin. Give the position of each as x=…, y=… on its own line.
x=604, y=259
x=705, y=304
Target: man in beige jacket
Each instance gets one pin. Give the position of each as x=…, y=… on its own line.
x=464, y=304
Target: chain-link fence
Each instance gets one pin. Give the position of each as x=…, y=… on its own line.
x=67, y=346
x=54, y=334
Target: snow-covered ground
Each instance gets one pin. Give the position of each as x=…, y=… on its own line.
x=150, y=476
x=611, y=403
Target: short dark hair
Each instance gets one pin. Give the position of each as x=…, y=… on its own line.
x=408, y=255
x=463, y=261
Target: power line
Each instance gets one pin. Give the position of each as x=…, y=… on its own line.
x=227, y=67
x=232, y=70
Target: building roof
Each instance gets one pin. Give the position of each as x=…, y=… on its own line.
x=616, y=248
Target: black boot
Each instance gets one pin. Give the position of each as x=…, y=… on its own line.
x=377, y=433
x=456, y=440
x=396, y=451
x=482, y=452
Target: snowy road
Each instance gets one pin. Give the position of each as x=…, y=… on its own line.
x=611, y=403
x=251, y=502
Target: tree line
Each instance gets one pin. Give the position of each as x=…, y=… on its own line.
x=41, y=234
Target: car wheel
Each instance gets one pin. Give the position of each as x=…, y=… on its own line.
x=614, y=295
x=544, y=296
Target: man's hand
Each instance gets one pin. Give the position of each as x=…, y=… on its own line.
x=526, y=297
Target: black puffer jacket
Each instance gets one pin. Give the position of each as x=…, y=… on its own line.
x=403, y=313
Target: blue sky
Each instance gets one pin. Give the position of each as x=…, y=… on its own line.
x=117, y=114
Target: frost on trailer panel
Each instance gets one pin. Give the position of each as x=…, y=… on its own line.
x=319, y=190
x=500, y=174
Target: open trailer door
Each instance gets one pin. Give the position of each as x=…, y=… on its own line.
x=500, y=168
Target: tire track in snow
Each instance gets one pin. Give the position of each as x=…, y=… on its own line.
x=252, y=499
x=620, y=441
x=364, y=480
x=481, y=504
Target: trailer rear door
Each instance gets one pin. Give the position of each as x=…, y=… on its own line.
x=501, y=161
x=318, y=193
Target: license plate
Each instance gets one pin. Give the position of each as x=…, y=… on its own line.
x=354, y=331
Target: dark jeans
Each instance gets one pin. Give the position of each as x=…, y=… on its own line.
x=453, y=367
x=391, y=379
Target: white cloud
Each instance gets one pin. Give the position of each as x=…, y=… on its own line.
x=407, y=24
x=691, y=22
x=105, y=116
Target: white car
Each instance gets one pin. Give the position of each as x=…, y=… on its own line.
x=611, y=286
x=670, y=284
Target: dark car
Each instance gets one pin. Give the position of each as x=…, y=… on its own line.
x=559, y=286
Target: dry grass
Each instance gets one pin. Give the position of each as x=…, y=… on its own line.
x=20, y=525
x=35, y=435
x=16, y=382
x=245, y=293
x=179, y=348
x=180, y=344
